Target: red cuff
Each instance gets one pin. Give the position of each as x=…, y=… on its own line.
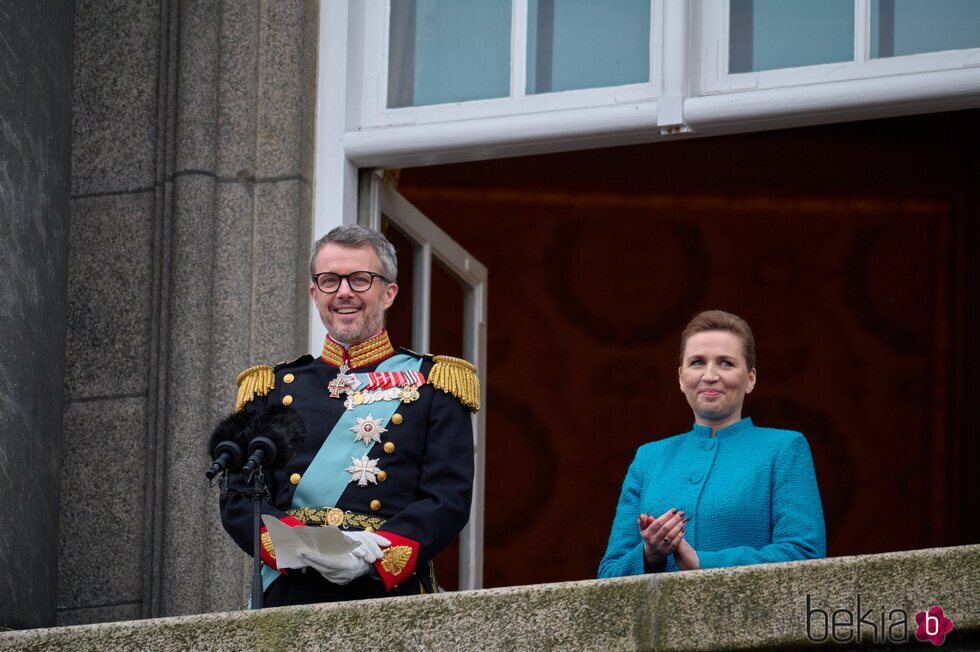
x=268, y=551
x=398, y=562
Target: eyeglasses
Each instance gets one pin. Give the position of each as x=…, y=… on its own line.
x=328, y=282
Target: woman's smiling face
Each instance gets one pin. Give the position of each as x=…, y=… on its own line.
x=715, y=377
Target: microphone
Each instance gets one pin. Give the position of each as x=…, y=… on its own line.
x=227, y=455
x=227, y=442
x=262, y=451
x=276, y=434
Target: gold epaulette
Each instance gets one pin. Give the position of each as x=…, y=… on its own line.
x=254, y=381
x=457, y=377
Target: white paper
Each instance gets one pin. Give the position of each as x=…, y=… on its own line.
x=326, y=540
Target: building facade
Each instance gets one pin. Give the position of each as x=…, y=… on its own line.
x=210, y=141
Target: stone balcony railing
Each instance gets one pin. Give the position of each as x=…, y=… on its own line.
x=747, y=608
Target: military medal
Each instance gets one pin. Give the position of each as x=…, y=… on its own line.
x=341, y=384
x=363, y=470
x=409, y=393
x=368, y=430
x=366, y=398
x=367, y=388
x=393, y=379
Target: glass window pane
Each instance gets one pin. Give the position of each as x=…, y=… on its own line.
x=576, y=44
x=448, y=51
x=770, y=34
x=901, y=27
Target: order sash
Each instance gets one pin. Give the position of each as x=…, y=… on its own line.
x=325, y=478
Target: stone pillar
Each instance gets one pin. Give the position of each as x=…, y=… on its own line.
x=239, y=208
x=35, y=142
x=192, y=166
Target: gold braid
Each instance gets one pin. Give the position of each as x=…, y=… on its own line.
x=457, y=377
x=254, y=381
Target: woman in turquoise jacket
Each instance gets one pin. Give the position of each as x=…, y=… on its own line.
x=727, y=493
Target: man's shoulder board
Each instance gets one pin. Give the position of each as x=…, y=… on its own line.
x=303, y=359
x=457, y=377
x=254, y=381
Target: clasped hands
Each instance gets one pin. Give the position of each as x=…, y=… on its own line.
x=663, y=536
x=344, y=569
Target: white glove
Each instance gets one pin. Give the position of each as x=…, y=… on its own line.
x=338, y=570
x=371, y=544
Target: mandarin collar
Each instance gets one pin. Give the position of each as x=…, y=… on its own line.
x=727, y=431
x=374, y=349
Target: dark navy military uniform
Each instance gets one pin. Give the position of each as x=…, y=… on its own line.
x=420, y=499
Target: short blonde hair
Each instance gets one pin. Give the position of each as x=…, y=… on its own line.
x=719, y=320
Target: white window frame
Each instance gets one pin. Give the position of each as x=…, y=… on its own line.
x=686, y=94
x=428, y=242
x=713, y=18
x=372, y=112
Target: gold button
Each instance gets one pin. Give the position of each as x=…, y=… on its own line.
x=375, y=505
x=288, y=378
x=287, y=399
x=396, y=418
x=369, y=529
x=295, y=478
x=389, y=447
x=381, y=476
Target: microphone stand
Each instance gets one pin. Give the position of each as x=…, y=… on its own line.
x=259, y=491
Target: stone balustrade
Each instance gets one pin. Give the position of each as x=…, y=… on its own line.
x=771, y=606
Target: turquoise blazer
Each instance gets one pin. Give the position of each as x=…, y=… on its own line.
x=750, y=494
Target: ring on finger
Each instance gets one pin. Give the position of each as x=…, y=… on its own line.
x=667, y=541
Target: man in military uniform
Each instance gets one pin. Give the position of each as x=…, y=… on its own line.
x=388, y=452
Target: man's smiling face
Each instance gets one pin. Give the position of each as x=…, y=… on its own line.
x=352, y=317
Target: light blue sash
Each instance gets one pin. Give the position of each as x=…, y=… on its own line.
x=325, y=478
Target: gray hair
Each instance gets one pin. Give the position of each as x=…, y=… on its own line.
x=355, y=235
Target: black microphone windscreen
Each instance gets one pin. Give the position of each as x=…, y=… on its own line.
x=285, y=427
x=235, y=427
